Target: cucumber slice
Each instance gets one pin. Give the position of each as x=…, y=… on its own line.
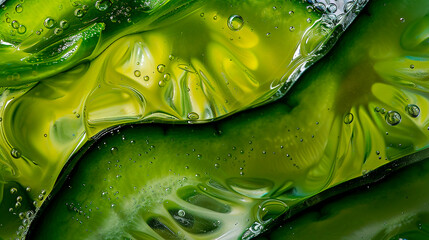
x=339, y=122
x=64, y=87
x=393, y=208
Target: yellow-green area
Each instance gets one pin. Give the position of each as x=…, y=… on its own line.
x=71, y=69
x=361, y=107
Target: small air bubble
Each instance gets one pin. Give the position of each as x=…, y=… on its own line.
x=137, y=73
x=181, y=213
x=348, y=118
x=412, y=110
x=49, y=23
x=193, y=116
x=146, y=78
x=393, y=118
x=64, y=24
x=161, y=68
x=79, y=13
x=113, y=150
x=19, y=8
x=235, y=22
x=15, y=153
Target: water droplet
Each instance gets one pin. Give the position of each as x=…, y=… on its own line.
x=215, y=18
x=58, y=31
x=348, y=118
x=235, y=22
x=146, y=78
x=15, y=24
x=402, y=20
x=292, y=28
x=19, y=199
x=49, y=23
x=17, y=205
x=393, y=118
x=13, y=190
x=19, y=8
x=28, y=189
x=181, y=213
x=137, y=73
x=79, y=13
x=40, y=197
x=15, y=153
x=22, y=29
x=309, y=20
x=412, y=110
x=102, y=5
x=202, y=15
x=193, y=116
x=64, y=24
x=217, y=165
x=160, y=68
x=412, y=66
x=291, y=12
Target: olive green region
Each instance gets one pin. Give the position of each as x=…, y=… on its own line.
x=394, y=208
x=364, y=105
x=70, y=69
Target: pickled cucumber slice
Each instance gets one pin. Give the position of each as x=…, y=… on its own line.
x=338, y=123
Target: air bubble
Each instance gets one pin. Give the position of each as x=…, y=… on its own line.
x=348, y=118
x=161, y=83
x=15, y=24
x=137, y=73
x=193, y=116
x=58, y=31
x=235, y=22
x=22, y=29
x=49, y=23
x=146, y=78
x=113, y=150
x=167, y=77
x=64, y=24
x=19, y=8
x=332, y=8
x=393, y=118
x=160, y=68
x=15, y=153
x=181, y=213
x=102, y=5
x=412, y=110
x=79, y=13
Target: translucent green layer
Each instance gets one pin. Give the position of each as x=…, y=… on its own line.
x=70, y=69
x=362, y=106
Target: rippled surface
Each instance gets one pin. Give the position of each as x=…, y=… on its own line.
x=70, y=69
x=339, y=122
